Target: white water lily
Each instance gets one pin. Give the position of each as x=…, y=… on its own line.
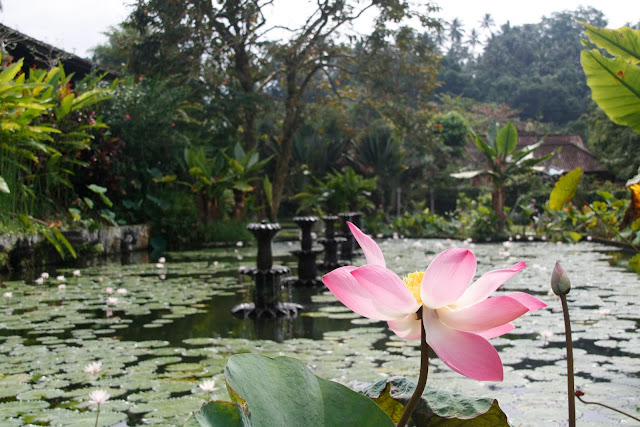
x=207, y=385
x=60, y=278
x=98, y=397
x=76, y=273
x=39, y=281
x=93, y=368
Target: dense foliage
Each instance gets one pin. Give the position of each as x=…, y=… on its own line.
x=217, y=119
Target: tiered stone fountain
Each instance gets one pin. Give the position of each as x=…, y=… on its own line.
x=348, y=245
x=307, y=268
x=266, y=295
x=330, y=242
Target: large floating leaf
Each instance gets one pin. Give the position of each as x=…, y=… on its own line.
x=219, y=414
x=436, y=407
x=615, y=82
x=565, y=189
x=283, y=392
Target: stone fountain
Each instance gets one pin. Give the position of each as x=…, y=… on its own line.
x=347, y=246
x=266, y=276
x=330, y=242
x=307, y=268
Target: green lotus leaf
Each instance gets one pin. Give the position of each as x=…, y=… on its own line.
x=168, y=407
x=218, y=414
x=293, y=395
x=10, y=390
x=148, y=396
x=65, y=417
x=436, y=407
x=15, y=409
x=40, y=394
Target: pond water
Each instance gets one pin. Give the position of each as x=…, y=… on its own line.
x=162, y=329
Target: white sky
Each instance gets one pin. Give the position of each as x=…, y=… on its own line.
x=77, y=25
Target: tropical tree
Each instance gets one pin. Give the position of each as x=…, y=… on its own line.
x=474, y=40
x=487, y=23
x=245, y=69
x=456, y=31
x=505, y=162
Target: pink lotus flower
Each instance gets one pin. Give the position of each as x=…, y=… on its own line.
x=458, y=318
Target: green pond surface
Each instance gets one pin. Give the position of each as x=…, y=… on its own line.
x=163, y=329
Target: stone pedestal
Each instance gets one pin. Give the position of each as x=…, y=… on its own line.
x=307, y=268
x=266, y=296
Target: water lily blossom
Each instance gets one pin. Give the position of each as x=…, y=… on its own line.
x=458, y=318
x=98, y=397
x=93, y=368
x=207, y=385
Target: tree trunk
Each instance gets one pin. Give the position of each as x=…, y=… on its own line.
x=239, y=211
x=289, y=128
x=497, y=202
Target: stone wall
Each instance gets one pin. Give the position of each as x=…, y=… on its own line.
x=112, y=240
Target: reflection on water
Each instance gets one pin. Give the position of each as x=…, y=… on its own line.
x=175, y=317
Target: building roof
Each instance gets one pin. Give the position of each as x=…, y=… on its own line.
x=42, y=55
x=571, y=153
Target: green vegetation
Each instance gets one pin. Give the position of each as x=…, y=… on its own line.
x=214, y=122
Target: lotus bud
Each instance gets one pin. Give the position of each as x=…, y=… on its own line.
x=560, y=283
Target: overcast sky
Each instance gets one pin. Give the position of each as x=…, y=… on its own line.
x=78, y=25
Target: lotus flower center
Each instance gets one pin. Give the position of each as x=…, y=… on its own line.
x=412, y=282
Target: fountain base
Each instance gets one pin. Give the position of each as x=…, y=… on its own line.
x=281, y=309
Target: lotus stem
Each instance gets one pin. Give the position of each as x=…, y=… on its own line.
x=422, y=378
x=570, y=380
x=97, y=415
x=606, y=406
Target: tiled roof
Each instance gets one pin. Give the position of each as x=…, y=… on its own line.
x=572, y=153
x=43, y=55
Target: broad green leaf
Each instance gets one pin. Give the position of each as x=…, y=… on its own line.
x=65, y=106
x=3, y=186
x=268, y=190
x=615, y=87
x=101, y=192
x=565, y=189
x=89, y=202
x=60, y=237
x=242, y=186
x=573, y=236
x=634, y=263
x=40, y=129
x=75, y=214
x=482, y=146
x=10, y=126
x=623, y=43
x=283, y=392
x=166, y=178
x=507, y=139
x=219, y=414
x=437, y=407
x=10, y=72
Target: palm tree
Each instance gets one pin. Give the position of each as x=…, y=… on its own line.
x=474, y=40
x=456, y=32
x=487, y=23
x=504, y=161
